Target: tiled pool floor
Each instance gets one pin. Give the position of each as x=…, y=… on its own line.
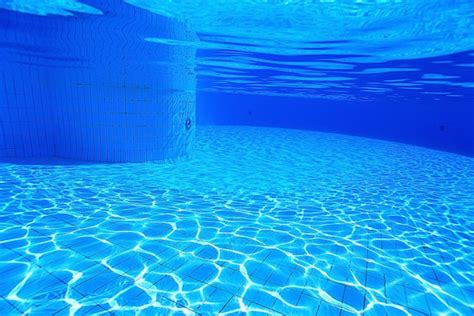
x=259, y=221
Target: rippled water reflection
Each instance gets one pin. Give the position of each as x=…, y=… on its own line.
x=365, y=50
x=268, y=220
x=330, y=49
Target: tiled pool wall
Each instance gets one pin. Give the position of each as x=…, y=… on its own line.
x=443, y=125
x=89, y=87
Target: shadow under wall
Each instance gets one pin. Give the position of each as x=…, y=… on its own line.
x=447, y=126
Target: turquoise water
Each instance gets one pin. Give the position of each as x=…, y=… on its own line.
x=259, y=221
x=348, y=50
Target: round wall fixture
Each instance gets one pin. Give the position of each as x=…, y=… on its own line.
x=188, y=124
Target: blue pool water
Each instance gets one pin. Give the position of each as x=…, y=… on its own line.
x=260, y=220
x=237, y=157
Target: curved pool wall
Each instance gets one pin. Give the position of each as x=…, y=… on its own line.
x=89, y=87
x=447, y=125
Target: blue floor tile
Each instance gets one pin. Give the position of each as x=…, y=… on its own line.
x=313, y=239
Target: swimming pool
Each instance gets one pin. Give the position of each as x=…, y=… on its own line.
x=260, y=220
